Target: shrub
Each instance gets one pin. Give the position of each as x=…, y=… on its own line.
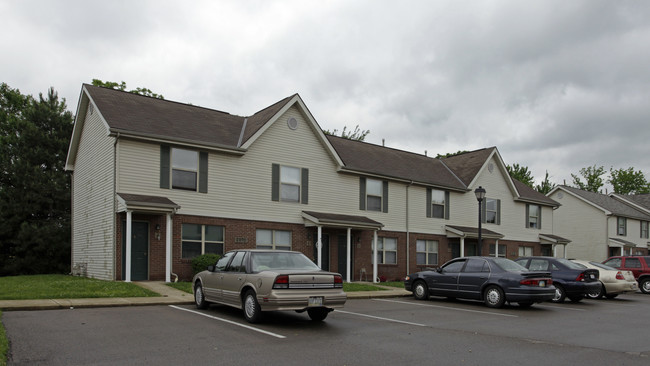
x=202, y=262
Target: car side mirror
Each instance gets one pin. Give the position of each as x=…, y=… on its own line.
x=211, y=268
x=439, y=269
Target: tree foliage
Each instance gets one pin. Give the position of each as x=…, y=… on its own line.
x=521, y=173
x=357, y=134
x=447, y=155
x=122, y=86
x=593, y=179
x=34, y=188
x=545, y=186
x=628, y=181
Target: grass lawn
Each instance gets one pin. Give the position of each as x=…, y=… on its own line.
x=66, y=287
x=347, y=286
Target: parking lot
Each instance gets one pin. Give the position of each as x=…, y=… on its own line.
x=366, y=332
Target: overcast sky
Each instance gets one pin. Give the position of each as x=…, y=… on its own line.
x=554, y=85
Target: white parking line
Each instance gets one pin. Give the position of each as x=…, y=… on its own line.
x=561, y=307
x=228, y=321
x=448, y=308
x=380, y=318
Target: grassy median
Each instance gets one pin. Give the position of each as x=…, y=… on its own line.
x=66, y=287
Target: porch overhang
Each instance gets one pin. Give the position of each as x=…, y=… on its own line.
x=312, y=218
x=553, y=239
x=616, y=242
x=143, y=203
x=470, y=232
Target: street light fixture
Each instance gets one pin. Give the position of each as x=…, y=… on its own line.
x=480, y=195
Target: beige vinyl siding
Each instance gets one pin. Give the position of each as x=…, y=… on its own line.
x=92, y=238
x=585, y=225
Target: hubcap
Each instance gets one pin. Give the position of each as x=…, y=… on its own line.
x=419, y=290
x=558, y=294
x=198, y=295
x=493, y=296
x=646, y=286
x=250, y=306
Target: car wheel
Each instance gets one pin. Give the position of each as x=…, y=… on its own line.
x=421, y=291
x=318, y=314
x=611, y=296
x=525, y=304
x=560, y=295
x=494, y=297
x=596, y=294
x=199, y=297
x=645, y=286
x=252, y=311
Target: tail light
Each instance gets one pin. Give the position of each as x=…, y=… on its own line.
x=619, y=276
x=281, y=282
x=338, y=281
x=581, y=277
x=537, y=282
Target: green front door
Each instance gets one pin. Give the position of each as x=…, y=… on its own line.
x=139, y=251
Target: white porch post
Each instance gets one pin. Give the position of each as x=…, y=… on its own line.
x=555, y=250
x=374, y=258
x=319, y=246
x=496, y=248
x=127, y=270
x=168, y=249
x=348, y=246
x=564, y=250
x=462, y=246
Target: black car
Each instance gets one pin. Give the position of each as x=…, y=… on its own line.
x=570, y=279
x=491, y=280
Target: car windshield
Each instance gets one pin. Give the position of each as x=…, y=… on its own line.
x=264, y=261
x=602, y=266
x=509, y=265
x=571, y=265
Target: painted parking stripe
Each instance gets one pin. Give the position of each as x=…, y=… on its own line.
x=380, y=318
x=229, y=322
x=561, y=307
x=448, y=308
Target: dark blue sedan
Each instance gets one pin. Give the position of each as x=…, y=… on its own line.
x=570, y=279
x=494, y=281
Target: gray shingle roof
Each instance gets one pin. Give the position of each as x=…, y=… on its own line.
x=467, y=165
x=640, y=199
x=527, y=193
x=613, y=205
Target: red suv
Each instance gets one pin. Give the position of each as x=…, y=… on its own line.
x=639, y=265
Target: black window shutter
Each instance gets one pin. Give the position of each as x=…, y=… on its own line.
x=203, y=172
x=384, y=199
x=429, y=213
x=539, y=219
x=275, y=182
x=165, y=165
x=362, y=193
x=498, y=212
x=527, y=223
x=447, y=205
x=305, y=186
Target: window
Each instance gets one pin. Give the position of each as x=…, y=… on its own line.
x=373, y=195
x=502, y=250
x=289, y=184
x=533, y=216
x=387, y=250
x=621, y=226
x=201, y=239
x=273, y=239
x=491, y=211
x=525, y=251
x=427, y=252
x=475, y=265
x=183, y=169
x=632, y=263
x=237, y=264
x=614, y=262
x=644, y=229
x=437, y=203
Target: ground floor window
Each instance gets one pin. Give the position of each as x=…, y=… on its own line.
x=525, y=251
x=200, y=239
x=427, y=252
x=502, y=250
x=273, y=239
x=386, y=250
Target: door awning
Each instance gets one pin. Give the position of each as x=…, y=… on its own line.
x=337, y=220
x=138, y=202
x=470, y=232
x=620, y=242
x=553, y=239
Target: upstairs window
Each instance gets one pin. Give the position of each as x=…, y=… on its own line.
x=437, y=203
x=644, y=229
x=621, y=226
x=533, y=216
x=491, y=211
x=289, y=184
x=373, y=194
x=183, y=169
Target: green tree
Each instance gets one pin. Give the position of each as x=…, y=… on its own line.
x=545, y=186
x=628, y=181
x=357, y=134
x=122, y=86
x=447, y=155
x=522, y=174
x=34, y=188
x=593, y=179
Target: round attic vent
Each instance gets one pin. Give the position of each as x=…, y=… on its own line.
x=292, y=123
x=560, y=195
x=491, y=167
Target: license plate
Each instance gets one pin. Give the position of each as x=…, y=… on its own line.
x=592, y=276
x=315, y=301
x=542, y=283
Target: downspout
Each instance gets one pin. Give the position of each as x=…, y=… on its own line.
x=408, y=232
x=114, y=231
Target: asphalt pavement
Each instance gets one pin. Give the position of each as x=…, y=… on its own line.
x=168, y=296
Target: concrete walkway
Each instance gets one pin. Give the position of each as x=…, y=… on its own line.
x=168, y=296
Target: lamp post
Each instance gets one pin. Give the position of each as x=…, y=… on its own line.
x=480, y=195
